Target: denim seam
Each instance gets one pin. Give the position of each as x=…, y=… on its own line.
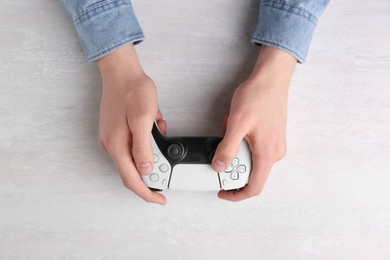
x=284, y=48
x=96, y=9
x=299, y=11
x=137, y=37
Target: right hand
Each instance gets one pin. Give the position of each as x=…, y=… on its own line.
x=128, y=110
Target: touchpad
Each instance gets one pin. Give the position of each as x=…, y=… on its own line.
x=191, y=177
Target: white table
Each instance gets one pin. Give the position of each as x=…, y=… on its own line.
x=61, y=198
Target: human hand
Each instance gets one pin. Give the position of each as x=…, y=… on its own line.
x=258, y=113
x=128, y=110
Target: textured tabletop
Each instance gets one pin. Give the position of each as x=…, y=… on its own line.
x=61, y=198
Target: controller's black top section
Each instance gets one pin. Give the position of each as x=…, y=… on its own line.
x=191, y=150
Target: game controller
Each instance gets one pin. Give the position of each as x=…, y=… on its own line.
x=184, y=163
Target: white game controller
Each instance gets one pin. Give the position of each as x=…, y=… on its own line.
x=184, y=163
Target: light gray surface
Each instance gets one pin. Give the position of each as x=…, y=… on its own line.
x=60, y=197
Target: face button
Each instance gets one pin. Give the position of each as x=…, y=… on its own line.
x=155, y=158
x=164, y=167
x=164, y=182
x=154, y=177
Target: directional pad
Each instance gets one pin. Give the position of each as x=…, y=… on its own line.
x=235, y=168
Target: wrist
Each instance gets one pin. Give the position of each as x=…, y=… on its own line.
x=274, y=68
x=120, y=66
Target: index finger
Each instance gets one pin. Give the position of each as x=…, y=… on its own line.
x=132, y=179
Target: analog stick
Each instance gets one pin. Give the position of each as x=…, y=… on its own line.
x=175, y=151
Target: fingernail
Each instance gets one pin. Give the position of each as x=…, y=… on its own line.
x=218, y=165
x=145, y=168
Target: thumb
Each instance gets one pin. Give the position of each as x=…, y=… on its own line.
x=142, y=150
x=228, y=148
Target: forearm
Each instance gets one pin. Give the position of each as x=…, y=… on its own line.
x=104, y=26
x=274, y=67
x=288, y=25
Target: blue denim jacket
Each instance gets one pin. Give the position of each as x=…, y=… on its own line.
x=105, y=25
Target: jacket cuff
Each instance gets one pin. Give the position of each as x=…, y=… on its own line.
x=106, y=27
x=285, y=26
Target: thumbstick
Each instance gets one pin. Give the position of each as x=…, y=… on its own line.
x=175, y=151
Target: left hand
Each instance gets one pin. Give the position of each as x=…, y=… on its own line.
x=258, y=113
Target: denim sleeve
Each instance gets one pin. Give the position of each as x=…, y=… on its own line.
x=104, y=25
x=288, y=24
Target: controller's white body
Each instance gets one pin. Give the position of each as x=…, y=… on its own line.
x=193, y=172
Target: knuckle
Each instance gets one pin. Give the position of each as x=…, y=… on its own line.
x=256, y=191
x=226, y=156
x=129, y=185
x=148, y=200
x=142, y=151
x=126, y=183
x=280, y=152
x=144, y=117
x=226, y=153
x=101, y=144
x=105, y=142
x=141, y=145
x=110, y=148
x=112, y=144
x=276, y=152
